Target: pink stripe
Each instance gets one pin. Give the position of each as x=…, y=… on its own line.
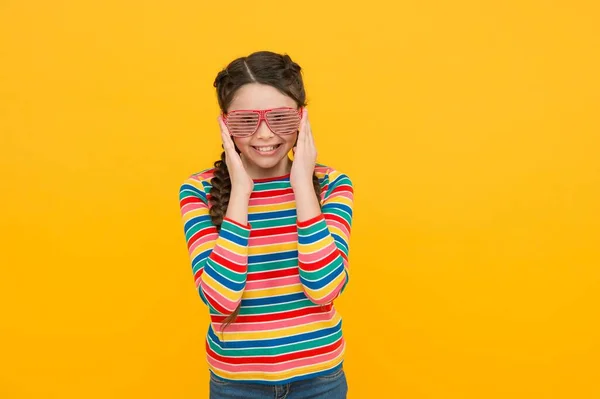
x=231, y=256
x=278, y=367
x=272, y=200
x=220, y=299
x=274, y=325
x=203, y=240
x=276, y=239
x=346, y=194
x=339, y=225
x=272, y=283
x=192, y=206
x=320, y=254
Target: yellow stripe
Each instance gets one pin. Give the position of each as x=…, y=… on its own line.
x=269, y=292
x=309, y=248
x=323, y=292
x=269, y=249
x=231, y=295
x=272, y=207
x=201, y=248
x=341, y=199
x=232, y=247
x=338, y=231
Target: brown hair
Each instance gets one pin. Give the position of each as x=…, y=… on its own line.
x=268, y=68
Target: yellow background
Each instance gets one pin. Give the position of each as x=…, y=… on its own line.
x=470, y=130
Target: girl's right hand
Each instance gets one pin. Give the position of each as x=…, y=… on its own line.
x=240, y=180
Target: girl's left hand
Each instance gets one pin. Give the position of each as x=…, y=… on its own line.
x=305, y=155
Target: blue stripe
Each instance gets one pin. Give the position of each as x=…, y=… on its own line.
x=273, y=257
x=337, y=205
x=274, y=299
x=189, y=187
x=201, y=257
x=229, y=236
x=195, y=220
x=271, y=215
x=266, y=343
x=314, y=237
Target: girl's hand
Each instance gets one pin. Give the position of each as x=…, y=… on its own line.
x=241, y=182
x=305, y=155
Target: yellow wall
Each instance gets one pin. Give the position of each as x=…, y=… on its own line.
x=470, y=130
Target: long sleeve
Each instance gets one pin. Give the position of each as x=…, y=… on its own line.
x=219, y=259
x=323, y=243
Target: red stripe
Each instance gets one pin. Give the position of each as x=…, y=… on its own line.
x=274, y=359
x=329, y=216
x=311, y=221
x=273, y=231
x=311, y=267
x=271, y=193
x=190, y=200
x=201, y=233
x=227, y=263
x=343, y=187
x=272, y=274
x=198, y=274
x=274, y=316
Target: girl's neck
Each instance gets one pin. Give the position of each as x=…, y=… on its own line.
x=255, y=172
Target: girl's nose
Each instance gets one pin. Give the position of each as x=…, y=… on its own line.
x=264, y=131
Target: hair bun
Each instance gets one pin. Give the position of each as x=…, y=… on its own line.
x=220, y=77
x=290, y=65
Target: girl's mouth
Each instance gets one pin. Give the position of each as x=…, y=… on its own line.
x=266, y=149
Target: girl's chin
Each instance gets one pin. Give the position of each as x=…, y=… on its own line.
x=267, y=161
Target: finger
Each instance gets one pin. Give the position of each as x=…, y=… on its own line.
x=302, y=128
x=225, y=136
x=309, y=136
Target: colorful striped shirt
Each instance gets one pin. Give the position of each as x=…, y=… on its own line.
x=285, y=272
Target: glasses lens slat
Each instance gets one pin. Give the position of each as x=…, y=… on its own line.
x=242, y=123
x=283, y=121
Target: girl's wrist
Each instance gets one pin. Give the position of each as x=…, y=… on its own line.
x=302, y=184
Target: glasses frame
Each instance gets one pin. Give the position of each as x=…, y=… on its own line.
x=262, y=116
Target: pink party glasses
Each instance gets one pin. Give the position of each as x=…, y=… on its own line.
x=281, y=121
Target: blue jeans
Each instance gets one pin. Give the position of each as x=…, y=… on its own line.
x=329, y=386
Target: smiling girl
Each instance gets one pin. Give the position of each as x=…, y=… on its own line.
x=268, y=239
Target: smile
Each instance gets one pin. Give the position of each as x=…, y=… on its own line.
x=266, y=149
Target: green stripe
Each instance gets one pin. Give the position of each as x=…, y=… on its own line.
x=234, y=228
x=196, y=227
x=320, y=273
x=308, y=230
x=265, y=224
x=280, y=307
x=223, y=271
x=280, y=350
x=271, y=185
x=273, y=265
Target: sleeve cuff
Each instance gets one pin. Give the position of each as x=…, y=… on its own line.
x=243, y=226
x=311, y=221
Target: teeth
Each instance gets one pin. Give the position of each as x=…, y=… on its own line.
x=266, y=149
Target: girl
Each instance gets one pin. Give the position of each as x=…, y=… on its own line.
x=268, y=241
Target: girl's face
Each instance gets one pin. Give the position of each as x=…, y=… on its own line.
x=264, y=154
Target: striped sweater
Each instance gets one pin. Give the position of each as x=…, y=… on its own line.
x=285, y=272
